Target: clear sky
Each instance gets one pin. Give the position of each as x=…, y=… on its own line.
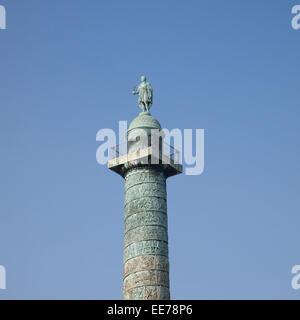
x=229, y=67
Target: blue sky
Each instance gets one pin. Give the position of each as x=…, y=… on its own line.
x=229, y=67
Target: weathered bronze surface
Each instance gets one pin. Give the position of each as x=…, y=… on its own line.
x=146, y=256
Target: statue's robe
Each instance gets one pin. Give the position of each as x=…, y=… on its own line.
x=145, y=94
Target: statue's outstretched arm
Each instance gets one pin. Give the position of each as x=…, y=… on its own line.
x=134, y=91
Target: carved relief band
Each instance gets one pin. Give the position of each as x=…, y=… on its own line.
x=146, y=264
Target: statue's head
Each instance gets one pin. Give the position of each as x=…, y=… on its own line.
x=143, y=78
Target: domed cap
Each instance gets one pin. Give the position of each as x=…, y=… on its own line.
x=144, y=120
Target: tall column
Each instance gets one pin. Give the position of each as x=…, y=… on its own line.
x=146, y=262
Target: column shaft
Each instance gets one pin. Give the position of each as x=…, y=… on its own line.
x=146, y=262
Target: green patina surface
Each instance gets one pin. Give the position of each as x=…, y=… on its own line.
x=146, y=255
x=146, y=232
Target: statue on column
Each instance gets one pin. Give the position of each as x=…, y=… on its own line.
x=145, y=93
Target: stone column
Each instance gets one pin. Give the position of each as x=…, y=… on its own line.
x=146, y=263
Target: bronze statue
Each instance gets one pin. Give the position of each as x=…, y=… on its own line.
x=145, y=93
